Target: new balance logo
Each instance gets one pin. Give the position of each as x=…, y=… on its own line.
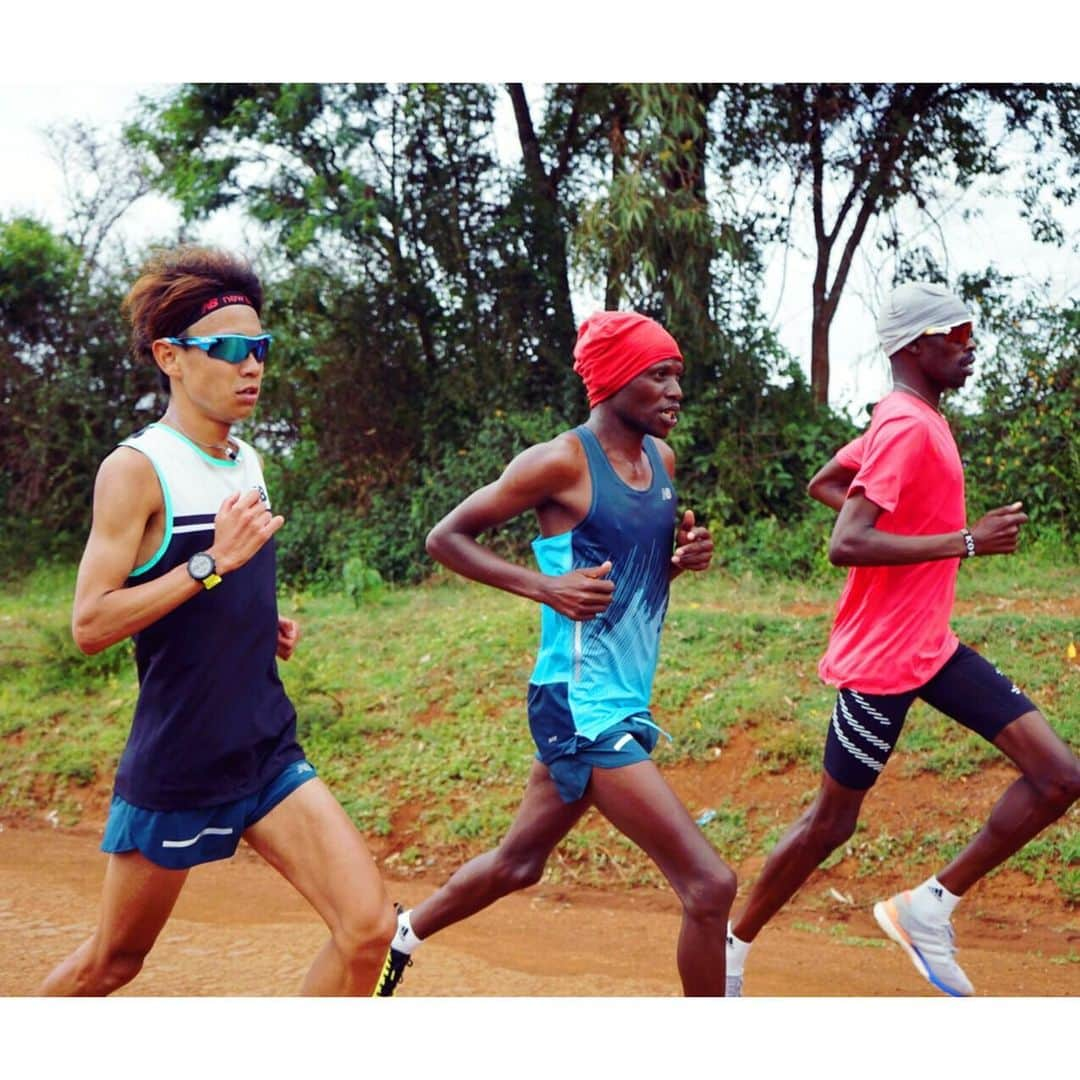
x=402, y=933
x=936, y=892
x=666, y=494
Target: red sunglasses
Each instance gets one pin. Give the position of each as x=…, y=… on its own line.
x=957, y=335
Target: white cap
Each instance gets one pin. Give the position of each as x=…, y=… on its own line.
x=915, y=307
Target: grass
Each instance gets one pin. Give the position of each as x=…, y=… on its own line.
x=412, y=707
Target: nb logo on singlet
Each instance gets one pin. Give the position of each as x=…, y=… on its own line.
x=666, y=493
x=262, y=492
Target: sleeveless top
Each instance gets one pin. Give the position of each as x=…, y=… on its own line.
x=590, y=675
x=213, y=723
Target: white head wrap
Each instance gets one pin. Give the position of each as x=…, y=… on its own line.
x=915, y=307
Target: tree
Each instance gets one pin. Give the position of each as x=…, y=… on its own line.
x=1019, y=440
x=857, y=152
x=69, y=389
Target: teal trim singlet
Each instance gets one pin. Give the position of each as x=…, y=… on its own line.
x=590, y=675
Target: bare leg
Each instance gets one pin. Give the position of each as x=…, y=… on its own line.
x=542, y=820
x=137, y=899
x=638, y=802
x=828, y=823
x=309, y=839
x=1049, y=786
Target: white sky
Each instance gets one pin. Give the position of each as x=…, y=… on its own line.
x=569, y=42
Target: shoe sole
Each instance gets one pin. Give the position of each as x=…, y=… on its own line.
x=889, y=920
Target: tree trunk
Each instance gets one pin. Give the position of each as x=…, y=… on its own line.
x=819, y=358
x=549, y=245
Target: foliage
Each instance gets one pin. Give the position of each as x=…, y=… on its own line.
x=408, y=293
x=69, y=390
x=860, y=153
x=418, y=283
x=1021, y=444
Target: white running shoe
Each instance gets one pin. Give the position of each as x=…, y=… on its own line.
x=930, y=948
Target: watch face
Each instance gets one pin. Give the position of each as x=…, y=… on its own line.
x=200, y=566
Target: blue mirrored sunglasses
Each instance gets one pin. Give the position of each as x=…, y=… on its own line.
x=232, y=348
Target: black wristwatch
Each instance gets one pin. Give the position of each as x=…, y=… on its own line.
x=202, y=568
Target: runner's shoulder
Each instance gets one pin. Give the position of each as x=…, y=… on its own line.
x=561, y=459
x=126, y=478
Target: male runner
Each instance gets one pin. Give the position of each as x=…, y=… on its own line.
x=181, y=558
x=899, y=490
x=605, y=499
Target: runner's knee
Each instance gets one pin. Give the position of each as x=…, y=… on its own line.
x=516, y=869
x=828, y=826
x=111, y=970
x=710, y=893
x=366, y=931
x=1059, y=788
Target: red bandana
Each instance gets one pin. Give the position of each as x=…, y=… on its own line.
x=614, y=347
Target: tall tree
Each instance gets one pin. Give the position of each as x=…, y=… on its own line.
x=858, y=151
x=415, y=260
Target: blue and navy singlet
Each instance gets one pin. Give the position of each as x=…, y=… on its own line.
x=212, y=723
x=590, y=675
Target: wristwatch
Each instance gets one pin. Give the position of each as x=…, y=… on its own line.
x=201, y=567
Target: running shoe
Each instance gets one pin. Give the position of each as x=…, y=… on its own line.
x=930, y=948
x=733, y=986
x=393, y=969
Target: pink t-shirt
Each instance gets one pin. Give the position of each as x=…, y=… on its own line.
x=891, y=632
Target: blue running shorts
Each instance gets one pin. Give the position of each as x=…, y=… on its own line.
x=181, y=839
x=627, y=742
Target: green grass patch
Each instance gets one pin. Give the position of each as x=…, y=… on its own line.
x=414, y=698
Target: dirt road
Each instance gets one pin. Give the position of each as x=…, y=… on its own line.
x=238, y=929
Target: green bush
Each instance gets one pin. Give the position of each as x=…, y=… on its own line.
x=1021, y=443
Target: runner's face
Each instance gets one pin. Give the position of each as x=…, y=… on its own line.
x=653, y=399
x=224, y=392
x=946, y=362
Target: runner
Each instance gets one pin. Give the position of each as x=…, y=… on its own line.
x=899, y=491
x=605, y=500
x=181, y=558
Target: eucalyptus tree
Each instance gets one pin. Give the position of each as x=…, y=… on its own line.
x=854, y=153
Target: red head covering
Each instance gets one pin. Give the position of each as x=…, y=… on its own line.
x=614, y=347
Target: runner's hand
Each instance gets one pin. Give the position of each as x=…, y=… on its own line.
x=998, y=532
x=288, y=634
x=582, y=593
x=241, y=527
x=693, y=545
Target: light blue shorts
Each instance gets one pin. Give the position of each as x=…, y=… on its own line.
x=180, y=839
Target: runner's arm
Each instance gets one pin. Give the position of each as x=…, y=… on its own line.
x=829, y=485
x=856, y=541
x=287, y=637
x=126, y=496
x=536, y=476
